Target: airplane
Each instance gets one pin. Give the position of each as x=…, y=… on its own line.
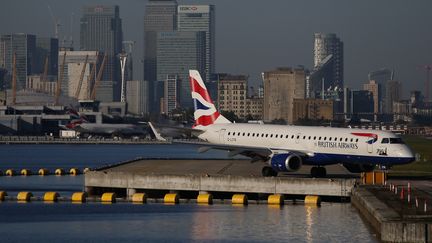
x=286, y=148
x=80, y=124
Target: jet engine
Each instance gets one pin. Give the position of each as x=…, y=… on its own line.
x=286, y=162
x=358, y=168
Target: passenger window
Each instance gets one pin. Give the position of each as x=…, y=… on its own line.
x=385, y=140
x=340, y=139
x=330, y=138
x=304, y=137
x=325, y=138
x=315, y=138
x=266, y=135
x=319, y=138
x=298, y=136
x=262, y=135
x=248, y=134
x=281, y=136
x=335, y=139
x=286, y=136
x=351, y=140
x=271, y=135
x=243, y=134
x=229, y=133
x=356, y=140
x=346, y=139
x=276, y=136
x=292, y=136
x=309, y=137
x=238, y=134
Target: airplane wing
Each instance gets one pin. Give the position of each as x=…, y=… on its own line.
x=161, y=130
x=256, y=153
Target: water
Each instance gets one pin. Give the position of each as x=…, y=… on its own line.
x=125, y=222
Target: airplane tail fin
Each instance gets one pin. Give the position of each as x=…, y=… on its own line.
x=205, y=111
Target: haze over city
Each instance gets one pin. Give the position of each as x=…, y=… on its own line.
x=255, y=36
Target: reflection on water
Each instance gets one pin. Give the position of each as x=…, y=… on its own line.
x=185, y=222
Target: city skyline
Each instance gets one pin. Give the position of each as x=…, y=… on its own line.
x=385, y=34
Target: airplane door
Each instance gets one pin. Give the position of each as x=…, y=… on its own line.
x=222, y=136
x=369, y=147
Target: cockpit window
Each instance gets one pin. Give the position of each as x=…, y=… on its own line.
x=385, y=140
x=396, y=141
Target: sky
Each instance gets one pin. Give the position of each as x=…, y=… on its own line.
x=254, y=36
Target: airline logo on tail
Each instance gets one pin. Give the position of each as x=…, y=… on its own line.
x=77, y=119
x=205, y=111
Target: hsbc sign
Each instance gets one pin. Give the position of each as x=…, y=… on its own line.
x=193, y=8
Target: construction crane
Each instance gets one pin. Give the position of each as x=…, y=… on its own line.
x=14, y=79
x=98, y=78
x=56, y=22
x=80, y=81
x=428, y=68
x=90, y=77
x=59, y=80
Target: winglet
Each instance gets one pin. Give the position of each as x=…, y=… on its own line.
x=156, y=133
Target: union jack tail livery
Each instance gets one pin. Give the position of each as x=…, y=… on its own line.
x=205, y=111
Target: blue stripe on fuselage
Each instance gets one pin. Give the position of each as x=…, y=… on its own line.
x=327, y=159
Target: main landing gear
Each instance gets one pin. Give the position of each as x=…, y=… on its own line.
x=318, y=171
x=268, y=171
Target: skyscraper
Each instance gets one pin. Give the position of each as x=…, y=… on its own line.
x=375, y=89
x=47, y=47
x=159, y=16
x=325, y=45
x=101, y=30
x=177, y=53
x=281, y=87
x=393, y=90
x=381, y=77
x=24, y=45
x=200, y=18
x=136, y=94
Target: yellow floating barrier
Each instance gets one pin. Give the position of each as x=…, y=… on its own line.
x=313, y=200
x=43, y=172
x=108, y=197
x=79, y=197
x=171, y=198
x=205, y=199
x=239, y=199
x=59, y=172
x=275, y=199
x=51, y=196
x=74, y=171
x=24, y=196
x=25, y=172
x=3, y=194
x=10, y=172
x=139, y=198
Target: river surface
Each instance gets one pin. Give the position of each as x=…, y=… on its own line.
x=153, y=222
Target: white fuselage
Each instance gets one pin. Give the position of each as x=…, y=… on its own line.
x=322, y=145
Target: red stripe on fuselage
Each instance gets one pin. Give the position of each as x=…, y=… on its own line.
x=200, y=90
x=365, y=134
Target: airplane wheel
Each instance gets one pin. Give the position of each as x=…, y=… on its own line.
x=268, y=171
x=318, y=172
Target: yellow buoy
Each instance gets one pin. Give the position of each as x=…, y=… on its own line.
x=25, y=172
x=205, y=199
x=239, y=199
x=59, y=172
x=74, y=171
x=10, y=172
x=50, y=196
x=275, y=199
x=43, y=172
x=3, y=194
x=312, y=200
x=79, y=197
x=171, y=198
x=24, y=196
x=139, y=198
x=108, y=197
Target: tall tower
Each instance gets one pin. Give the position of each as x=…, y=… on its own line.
x=159, y=16
x=200, y=18
x=325, y=45
x=101, y=30
x=24, y=46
